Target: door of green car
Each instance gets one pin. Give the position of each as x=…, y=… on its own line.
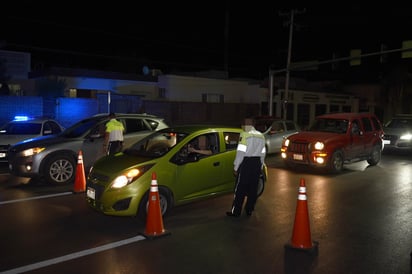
x=199, y=178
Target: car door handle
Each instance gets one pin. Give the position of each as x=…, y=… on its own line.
x=216, y=163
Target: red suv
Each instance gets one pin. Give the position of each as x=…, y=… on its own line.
x=336, y=139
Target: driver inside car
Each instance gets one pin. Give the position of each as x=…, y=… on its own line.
x=200, y=146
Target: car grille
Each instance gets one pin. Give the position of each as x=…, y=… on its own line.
x=298, y=147
x=95, y=180
x=391, y=138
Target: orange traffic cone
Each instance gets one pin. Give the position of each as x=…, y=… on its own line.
x=154, y=221
x=301, y=238
x=80, y=179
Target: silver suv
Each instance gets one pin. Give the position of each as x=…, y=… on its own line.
x=54, y=158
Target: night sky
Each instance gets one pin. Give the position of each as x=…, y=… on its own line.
x=247, y=38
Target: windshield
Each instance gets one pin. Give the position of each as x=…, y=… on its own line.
x=21, y=129
x=400, y=123
x=81, y=128
x=156, y=144
x=330, y=125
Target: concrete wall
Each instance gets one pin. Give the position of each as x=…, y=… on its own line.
x=70, y=110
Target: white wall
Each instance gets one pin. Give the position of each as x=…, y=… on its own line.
x=190, y=89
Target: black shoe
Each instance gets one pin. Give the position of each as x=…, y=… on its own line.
x=249, y=212
x=230, y=214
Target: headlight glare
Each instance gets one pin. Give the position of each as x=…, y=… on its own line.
x=406, y=137
x=319, y=145
x=32, y=151
x=130, y=176
x=120, y=181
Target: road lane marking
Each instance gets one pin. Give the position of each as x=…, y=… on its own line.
x=72, y=256
x=35, y=198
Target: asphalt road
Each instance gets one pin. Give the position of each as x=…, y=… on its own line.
x=360, y=221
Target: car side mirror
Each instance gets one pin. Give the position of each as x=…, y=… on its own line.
x=181, y=160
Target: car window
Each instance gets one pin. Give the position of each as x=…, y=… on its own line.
x=152, y=123
x=205, y=142
x=132, y=125
x=376, y=124
x=231, y=140
x=53, y=126
x=367, y=125
x=290, y=126
x=355, y=127
x=80, y=128
x=22, y=129
x=277, y=126
x=330, y=125
x=156, y=144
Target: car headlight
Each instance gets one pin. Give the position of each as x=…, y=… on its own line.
x=130, y=176
x=406, y=137
x=32, y=151
x=286, y=142
x=319, y=145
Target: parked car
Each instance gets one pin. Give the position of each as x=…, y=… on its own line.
x=277, y=132
x=54, y=157
x=23, y=128
x=335, y=139
x=398, y=133
x=263, y=123
x=120, y=185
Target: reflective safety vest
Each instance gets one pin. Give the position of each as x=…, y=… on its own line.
x=251, y=144
x=115, y=129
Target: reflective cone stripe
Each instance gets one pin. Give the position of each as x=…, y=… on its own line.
x=80, y=158
x=80, y=177
x=154, y=220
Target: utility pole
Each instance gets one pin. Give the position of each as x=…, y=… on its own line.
x=291, y=25
x=285, y=101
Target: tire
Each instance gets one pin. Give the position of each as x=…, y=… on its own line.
x=261, y=185
x=60, y=169
x=375, y=156
x=336, y=162
x=164, y=200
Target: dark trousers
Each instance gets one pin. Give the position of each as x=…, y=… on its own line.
x=115, y=147
x=247, y=184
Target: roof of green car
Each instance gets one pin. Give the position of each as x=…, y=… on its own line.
x=195, y=127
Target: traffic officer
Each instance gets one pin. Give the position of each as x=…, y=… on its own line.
x=249, y=160
x=113, y=138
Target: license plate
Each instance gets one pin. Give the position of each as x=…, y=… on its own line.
x=386, y=142
x=2, y=155
x=298, y=157
x=91, y=193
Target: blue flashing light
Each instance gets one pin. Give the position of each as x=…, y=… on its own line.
x=21, y=118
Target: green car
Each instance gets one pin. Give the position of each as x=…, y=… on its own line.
x=120, y=184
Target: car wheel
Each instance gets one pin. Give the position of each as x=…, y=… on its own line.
x=261, y=185
x=164, y=201
x=336, y=162
x=375, y=156
x=60, y=169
